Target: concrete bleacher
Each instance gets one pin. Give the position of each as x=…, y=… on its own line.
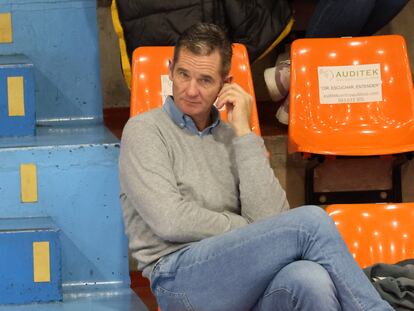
x=61, y=233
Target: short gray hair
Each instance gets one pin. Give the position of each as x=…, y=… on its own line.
x=204, y=39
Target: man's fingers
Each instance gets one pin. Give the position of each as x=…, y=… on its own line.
x=227, y=87
x=226, y=99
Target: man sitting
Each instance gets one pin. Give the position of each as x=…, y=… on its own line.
x=207, y=219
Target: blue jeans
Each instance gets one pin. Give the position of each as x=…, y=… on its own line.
x=338, y=18
x=294, y=261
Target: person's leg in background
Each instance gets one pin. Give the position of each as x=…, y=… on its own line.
x=383, y=12
x=301, y=285
x=336, y=18
x=235, y=270
x=278, y=83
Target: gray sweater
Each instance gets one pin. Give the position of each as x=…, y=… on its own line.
x=178, y=188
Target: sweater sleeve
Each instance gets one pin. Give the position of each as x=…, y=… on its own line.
x=261, y=194
x=148, y=182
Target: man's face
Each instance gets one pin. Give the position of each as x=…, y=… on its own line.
x=196, y=81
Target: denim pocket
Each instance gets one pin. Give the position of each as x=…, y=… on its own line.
x=170, y=295
x=170, y=301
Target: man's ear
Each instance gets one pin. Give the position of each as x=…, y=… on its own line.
x=228, y=79
x=170, y=69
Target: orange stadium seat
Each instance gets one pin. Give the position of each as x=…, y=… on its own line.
x=150, y=81
x=351, y=97
x=376, y=233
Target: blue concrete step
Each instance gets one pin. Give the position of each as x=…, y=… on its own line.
x=30, y=264
x=115, y=300
x=71, y=176
x=17, y=96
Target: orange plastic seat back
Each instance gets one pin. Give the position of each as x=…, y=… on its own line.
x=376, y=232
x=150, y=83
x=351, y=96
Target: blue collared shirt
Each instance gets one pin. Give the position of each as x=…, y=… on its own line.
x=185, y=121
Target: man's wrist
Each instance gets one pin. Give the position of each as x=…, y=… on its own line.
x=242, y=131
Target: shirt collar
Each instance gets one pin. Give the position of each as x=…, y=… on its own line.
x=185, y=121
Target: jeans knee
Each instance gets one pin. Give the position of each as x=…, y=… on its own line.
x=307, y=279
x=313, y=209
x=301, y=285
x=315, y=219
x=314, y=214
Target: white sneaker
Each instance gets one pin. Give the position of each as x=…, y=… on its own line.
x=282, y=114
x=277, y=80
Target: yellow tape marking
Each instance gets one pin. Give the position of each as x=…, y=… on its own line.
x=41, y=262
x=15, y=91
x=6, y=34
x=28, y=182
